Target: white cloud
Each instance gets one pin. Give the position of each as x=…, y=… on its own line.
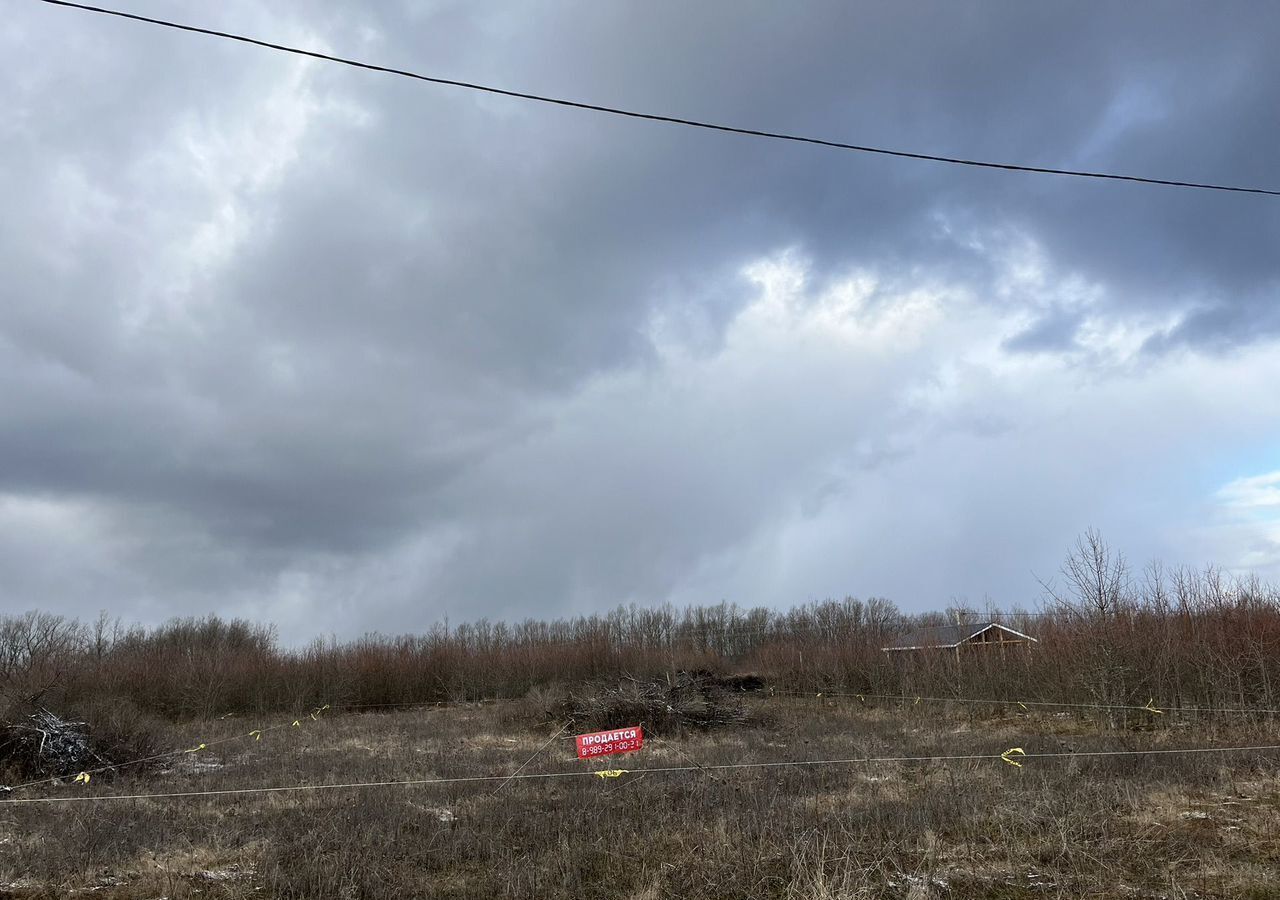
x=1255, y=492
x=1246, y=524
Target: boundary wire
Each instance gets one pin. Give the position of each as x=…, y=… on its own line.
x=652, y=770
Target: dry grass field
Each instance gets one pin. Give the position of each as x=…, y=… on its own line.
x=1171, y=826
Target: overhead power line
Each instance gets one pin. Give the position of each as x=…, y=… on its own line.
x=655, y=117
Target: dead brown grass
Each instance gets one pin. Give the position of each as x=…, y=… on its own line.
x=1142, y=827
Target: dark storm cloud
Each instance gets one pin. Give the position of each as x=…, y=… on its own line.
x=581, y=215
x=266, y=316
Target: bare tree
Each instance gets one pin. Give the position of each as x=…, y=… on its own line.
x=1098, y=586
x=1097, y=577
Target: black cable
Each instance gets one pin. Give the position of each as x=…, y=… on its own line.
x=653, y=117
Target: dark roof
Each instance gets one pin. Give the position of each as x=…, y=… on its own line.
x=947, y=636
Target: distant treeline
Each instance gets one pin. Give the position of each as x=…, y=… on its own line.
x=1106, y=635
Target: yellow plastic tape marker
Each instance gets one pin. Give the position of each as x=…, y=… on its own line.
x=194, y=749
x=296, y=724
x=819, y=693
x=861, y=699
x=917, y=703
x=1008, y=755
x=1150, y=707
x=256, y=734
x=1023, y=705
x=82, y=778
x=611, y=773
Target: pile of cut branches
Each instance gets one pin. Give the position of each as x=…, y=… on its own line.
x=665, y=706
x=44, y=745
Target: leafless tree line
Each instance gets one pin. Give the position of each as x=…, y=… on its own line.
x=1107, y=635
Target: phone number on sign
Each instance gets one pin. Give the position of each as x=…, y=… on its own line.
x=613, y=747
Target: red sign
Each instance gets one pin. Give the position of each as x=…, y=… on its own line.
x=603, y=743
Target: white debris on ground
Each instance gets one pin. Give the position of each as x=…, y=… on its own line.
x=194, y=766
x=1034, y=881
x=917, y=881
x=442, y=814
x=233, y=872
x=106, y=882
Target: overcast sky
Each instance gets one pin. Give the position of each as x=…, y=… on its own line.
x=341, y=351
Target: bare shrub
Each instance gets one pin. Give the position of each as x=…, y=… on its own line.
x=119, y=730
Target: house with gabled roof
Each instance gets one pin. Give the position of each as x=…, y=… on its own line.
x=980, y=635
